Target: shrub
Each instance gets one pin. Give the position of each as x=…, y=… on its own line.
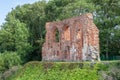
x=56, y=71
x=9, y=59
x=111, y=72
x=69, y=71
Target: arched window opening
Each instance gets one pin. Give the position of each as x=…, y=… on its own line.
x=57, y=36
x=67, y=33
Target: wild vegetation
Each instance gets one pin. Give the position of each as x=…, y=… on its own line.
x=68, y=71
x=23, y=33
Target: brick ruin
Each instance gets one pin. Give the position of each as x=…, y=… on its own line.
x=78, y=40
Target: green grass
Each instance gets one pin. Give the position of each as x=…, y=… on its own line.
x=63, y=70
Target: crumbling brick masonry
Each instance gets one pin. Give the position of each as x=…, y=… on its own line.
x=78, y=40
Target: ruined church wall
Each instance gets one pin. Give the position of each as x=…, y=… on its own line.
x=78, y=40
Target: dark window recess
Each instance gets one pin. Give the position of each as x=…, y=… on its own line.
x=68, y=48
x=57, y=36
x=57, y=53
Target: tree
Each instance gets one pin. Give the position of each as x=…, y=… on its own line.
x=17, y=31
x=107, y=19
x=57, y=10
x=14, y=37
x=33, y=17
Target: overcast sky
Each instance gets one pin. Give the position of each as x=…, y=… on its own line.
x=7, y=5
